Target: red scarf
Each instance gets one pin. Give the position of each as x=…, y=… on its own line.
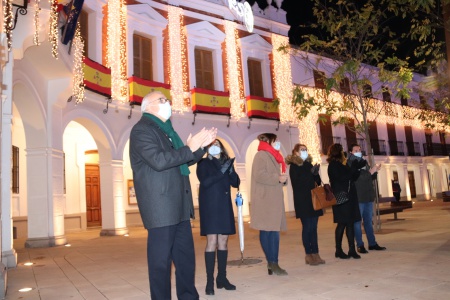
x=279, y=158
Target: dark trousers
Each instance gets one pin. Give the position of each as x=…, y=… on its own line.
x=270, y=242
x=309, y=234
x=166, y=245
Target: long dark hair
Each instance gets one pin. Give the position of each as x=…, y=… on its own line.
x=224, y=154
x=336, y=153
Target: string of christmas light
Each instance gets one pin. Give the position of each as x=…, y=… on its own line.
x=233, y=70
x=282, y=78
x=383, y=112
x=37, y=10
x=185, y=72
x=308, y=135
x=116, y=49
x=78, y=73
x=176, y=58
x=53, y=32
x=8, y=22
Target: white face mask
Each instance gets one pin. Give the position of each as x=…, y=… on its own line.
x=276, y=145
x=165, y=110
x=358, y=154
x=304, y=154
x=214, y=150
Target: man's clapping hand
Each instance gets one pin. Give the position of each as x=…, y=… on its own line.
x=201, y=139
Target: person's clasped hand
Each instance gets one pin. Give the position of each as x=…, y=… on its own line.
x=282, y=178
x=201, y=139
x=315, y=169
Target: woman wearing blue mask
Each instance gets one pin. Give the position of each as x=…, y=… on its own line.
x=216, y=175
x=304, y=177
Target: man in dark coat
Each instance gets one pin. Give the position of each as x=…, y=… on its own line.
x=159, y=161
x=366, y=195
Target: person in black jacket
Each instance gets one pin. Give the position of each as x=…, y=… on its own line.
x=216, y=174
x=304, y=177
x=342, y=179
x=160, y=161
x=366, y=195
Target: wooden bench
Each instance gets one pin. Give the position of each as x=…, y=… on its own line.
x=393, y=209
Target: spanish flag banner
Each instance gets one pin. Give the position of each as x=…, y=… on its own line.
x=97, y=77
x=140, y=87
x=208, y=101
x=259, y=107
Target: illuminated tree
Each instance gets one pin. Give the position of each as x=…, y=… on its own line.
x=358, y=45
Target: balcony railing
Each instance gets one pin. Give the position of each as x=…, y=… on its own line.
x=378, y=147
x=327, y=141
x=436, y=149
x=413, y=148
x=396, y=148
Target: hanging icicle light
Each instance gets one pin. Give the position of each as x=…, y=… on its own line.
x=53, y=31
x=233, y=70
x=37, y=10
x=282, y=78
x=78, y=74
x=8, y=18
x=116, y=49
x=177, y=58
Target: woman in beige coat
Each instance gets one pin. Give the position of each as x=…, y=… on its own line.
x=267, y=206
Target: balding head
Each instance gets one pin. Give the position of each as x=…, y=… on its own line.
x=150, y=98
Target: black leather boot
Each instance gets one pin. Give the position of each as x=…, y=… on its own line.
x=350, y=231
x=221, y=280
x=210, y=261
x=338, y=235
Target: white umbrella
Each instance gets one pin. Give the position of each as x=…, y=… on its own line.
x=239, y=202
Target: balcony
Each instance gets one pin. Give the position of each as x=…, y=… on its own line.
x=327, y=141
x=378, y=147
x=396, y=148
x=413, y=148
x=436, y=149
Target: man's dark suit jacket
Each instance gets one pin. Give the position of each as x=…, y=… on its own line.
x=164, y=195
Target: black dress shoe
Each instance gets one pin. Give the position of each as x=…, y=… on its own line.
x=362, y=250
x=376, y=247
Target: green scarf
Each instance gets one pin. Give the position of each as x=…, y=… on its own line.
x=173, y=136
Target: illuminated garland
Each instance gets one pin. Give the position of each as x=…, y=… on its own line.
x=233, y=69
x=8, y=18
x=116, y=49
x=37, y=9
x=383, y=112
x=177, y=59
x=185, y=72
x=53, y=32
x=282, y=78
x=78, y=74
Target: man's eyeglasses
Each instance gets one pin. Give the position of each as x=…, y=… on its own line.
x=162, y=100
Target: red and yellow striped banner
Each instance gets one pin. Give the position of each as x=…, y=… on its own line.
x=208, y=101
x=259, y=107
x=97, y=77
x=140, y=87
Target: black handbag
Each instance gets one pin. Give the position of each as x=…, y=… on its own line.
x=342, y=196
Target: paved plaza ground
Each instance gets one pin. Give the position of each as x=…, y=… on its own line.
x=416, y=264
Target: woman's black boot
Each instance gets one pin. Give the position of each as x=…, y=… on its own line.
x=210, y=261
x=221, y=280
x=338, y=235
x=350, y=232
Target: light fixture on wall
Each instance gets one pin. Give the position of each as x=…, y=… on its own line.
x=22, y=6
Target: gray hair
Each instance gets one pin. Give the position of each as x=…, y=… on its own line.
x=144, y=103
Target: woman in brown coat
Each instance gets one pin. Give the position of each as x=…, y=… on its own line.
x=267, y=206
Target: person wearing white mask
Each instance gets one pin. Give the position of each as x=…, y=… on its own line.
x=216, y=175
x=304, y=177
x=267, y=202
x=366, y=196
x=159, y=160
